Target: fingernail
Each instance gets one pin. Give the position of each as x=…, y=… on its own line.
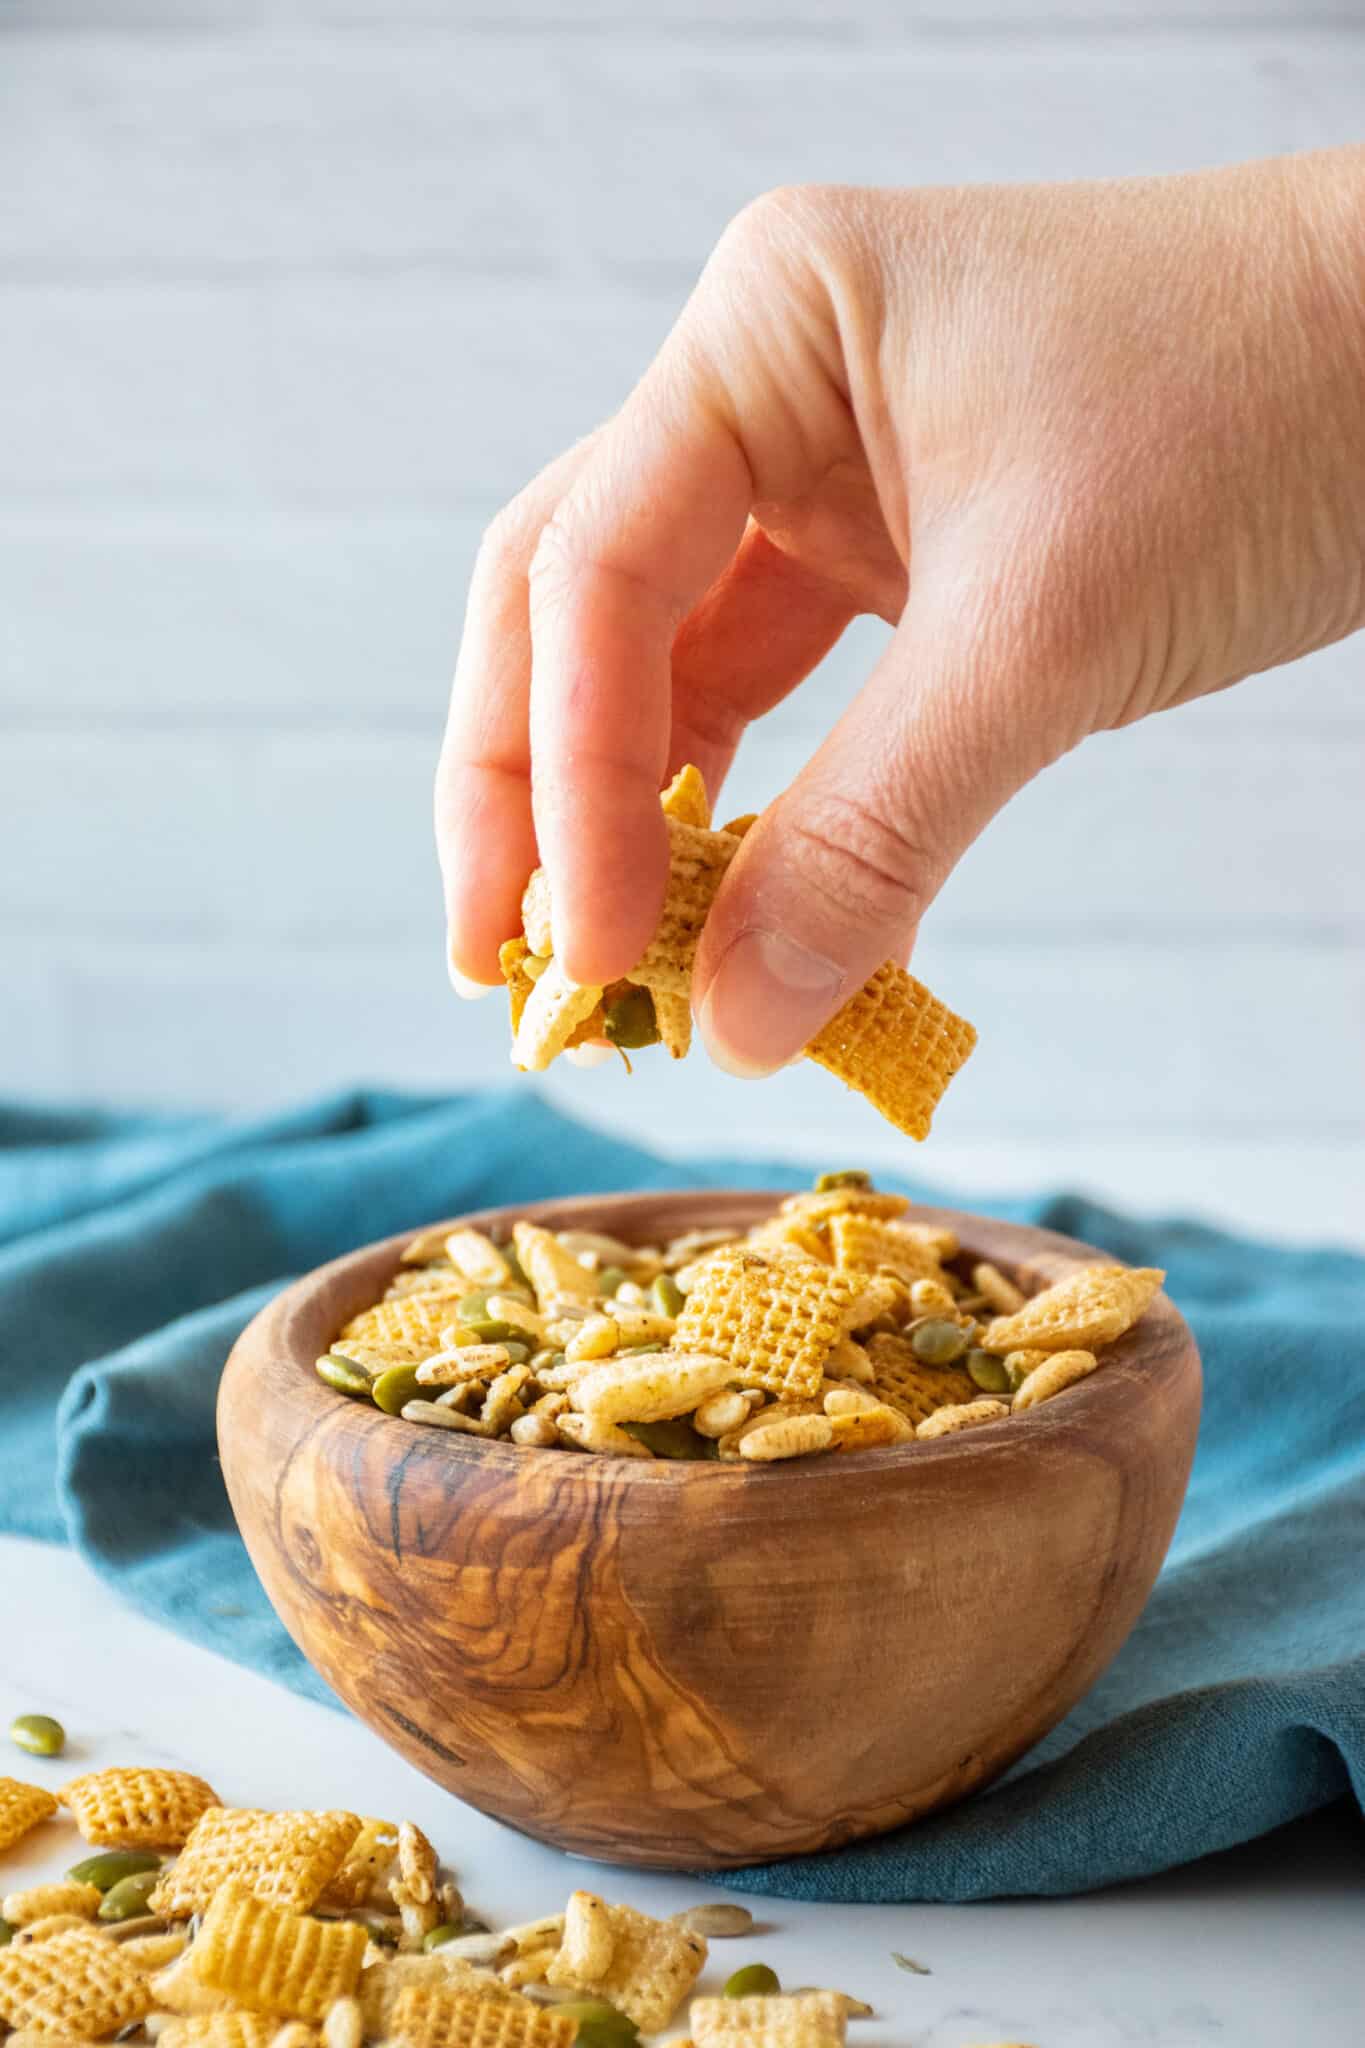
x=590, y=1055
x=767, y=999
x=463, y=986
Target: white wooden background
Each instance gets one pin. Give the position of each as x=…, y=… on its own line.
x=294, y=292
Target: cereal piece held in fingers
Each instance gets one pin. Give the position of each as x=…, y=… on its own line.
x=686, y=799
x=896, y=1044
x=553, y=1012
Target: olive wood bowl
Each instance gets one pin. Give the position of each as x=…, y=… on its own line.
x=702, y=1665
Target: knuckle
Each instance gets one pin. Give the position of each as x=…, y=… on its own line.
x=509, y=541
x=772, y=226
x=862, y=862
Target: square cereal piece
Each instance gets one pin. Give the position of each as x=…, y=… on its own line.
x=816, y=1206
x=221, y=2030
x=775, y=1319
x=383, y=1984
x=697, y=860
x=650, y=1965
x=21, y=1808
x=438, y=2017
x=76, y=1982
x=862, y=1245
x=137, y=1809
x=276, y=1961
x=896, y=1044
x=914, y=1390
x=409, y=1326
x=801, y=2019
x=1089, y=1309
x=287, y=1859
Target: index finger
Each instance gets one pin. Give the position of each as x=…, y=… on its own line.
x=648, y=525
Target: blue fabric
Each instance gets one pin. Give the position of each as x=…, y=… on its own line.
x=133, y=1250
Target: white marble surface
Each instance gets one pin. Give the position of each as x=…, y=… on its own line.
x=1259, y=1949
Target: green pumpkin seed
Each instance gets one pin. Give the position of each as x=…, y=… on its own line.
x=341, y=1374
x=127, y=1900
x=938, y=1342
x=755, y=1980
x=39, y=1734
x=846, y=1177
x=988, y=1372
x=666, y=1295
x=629, y=1020
x=672, y=1439
x=395, y=1388
x=437, y=1937
x=488, y=1330
x=609, y=1278
x=600, y=2024
x=111, y=1866
x=516, y=1271
x=6, y=1933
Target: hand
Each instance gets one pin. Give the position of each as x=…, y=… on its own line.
x=1092, y=449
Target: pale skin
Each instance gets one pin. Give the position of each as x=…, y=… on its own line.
x=1092, y=450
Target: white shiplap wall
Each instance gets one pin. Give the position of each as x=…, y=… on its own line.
x=294, y=293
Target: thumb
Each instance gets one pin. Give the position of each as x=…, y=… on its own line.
x=836, y=875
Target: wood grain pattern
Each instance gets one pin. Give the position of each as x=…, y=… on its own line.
x=706, y=1665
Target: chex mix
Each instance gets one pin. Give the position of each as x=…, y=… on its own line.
x=198, y=1925
x=840, y=1323
x=892, y=1041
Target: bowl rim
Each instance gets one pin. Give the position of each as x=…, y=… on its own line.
x=274, y=1329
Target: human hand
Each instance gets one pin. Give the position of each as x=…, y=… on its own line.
x=1093, y=450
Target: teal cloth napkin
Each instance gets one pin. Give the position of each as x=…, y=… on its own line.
x=133, y=1251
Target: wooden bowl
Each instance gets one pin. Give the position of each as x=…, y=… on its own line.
x=704, y=1665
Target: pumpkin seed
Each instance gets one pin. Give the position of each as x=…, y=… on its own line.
x=666, y=1295
x=673, y=1439
x=127, y=1900
x=988, y=1372
x=629, y=1020
x=845, y=1177
x=6, y=1933
x=339, y=1373
x=395, y=1388
x=755, y=1980
x=39, y=1734
x=111, y=1866
x=938, y=1342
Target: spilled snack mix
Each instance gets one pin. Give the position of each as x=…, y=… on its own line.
x=839, y=1323
x=892, y=1042
x=318, y=1930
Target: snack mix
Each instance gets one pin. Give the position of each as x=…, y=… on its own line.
x=839, y=1323
x=892, y=1041
x=243, y=1929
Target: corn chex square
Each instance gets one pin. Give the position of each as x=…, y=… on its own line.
x=21, y=1808
x=697, y=860
x=775, y=1319
x=287, y=1859
x=646, y=1967
x=276, y=1961
x=436, y=2017
x=801, y=2019
x=76, y=1982
x=221, y=2030
x=862, y=1245
x=896, y=1044
x=383, y=1984
x=410, y=1325
x=913, y=1390
x=816, y=1206
x=137, y=1809
x=1082, y=1313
